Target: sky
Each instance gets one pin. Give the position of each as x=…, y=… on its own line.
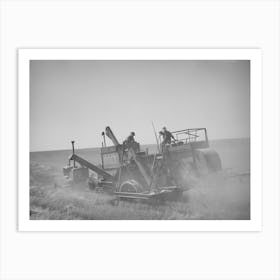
x=76, y=100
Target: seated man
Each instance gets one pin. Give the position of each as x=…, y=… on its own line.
x=129, y=142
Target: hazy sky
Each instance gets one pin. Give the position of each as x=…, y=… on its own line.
x=76, y=100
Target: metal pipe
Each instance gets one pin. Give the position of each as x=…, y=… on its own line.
x=112, y=136
x=206, y=136
x=104, y=138
x=73, y=152
x=189, y=129
x=158, y=147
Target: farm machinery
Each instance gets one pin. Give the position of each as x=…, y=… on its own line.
x=131, y=173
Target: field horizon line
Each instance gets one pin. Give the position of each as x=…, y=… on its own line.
x=153, y=144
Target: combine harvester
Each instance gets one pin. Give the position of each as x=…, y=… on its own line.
x=131, y=173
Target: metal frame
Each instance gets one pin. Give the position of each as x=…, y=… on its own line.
x=192, y=135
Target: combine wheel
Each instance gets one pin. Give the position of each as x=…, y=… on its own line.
x=131, y=186
x=213, y=161
x=207, y=161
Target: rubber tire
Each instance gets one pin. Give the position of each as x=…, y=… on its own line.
x=214, y=162
x=207, y=161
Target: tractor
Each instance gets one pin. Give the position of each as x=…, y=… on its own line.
x=131, y=173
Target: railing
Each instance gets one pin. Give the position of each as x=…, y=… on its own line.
x=191, y=135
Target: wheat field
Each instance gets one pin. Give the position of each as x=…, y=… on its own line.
x=223, y=195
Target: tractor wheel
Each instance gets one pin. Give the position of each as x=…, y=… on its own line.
x=131, y=186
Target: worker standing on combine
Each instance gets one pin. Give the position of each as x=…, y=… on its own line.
x=167, y=136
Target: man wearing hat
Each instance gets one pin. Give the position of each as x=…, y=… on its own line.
x=167, y=136
x=129, y=141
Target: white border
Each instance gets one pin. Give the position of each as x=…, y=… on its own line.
x=254, y=55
